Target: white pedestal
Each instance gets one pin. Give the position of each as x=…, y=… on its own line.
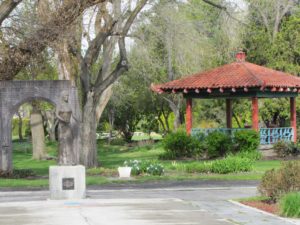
x=67, y=182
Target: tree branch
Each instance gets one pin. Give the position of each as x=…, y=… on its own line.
x=215, y=5
x=14, y=59
x=6, y=7
x=123, y=62
x=224, y=8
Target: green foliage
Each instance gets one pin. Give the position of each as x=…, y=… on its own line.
x=280, y=148
x=198, y=167
x=231, y=164
x=139, y=167
x=218, y=144
x=246, y=140
x=135, y=165
x=155, y=169
x=276, y=183
x=290, y=205
x=283, y=148
x=15, y=126
x=18, y=173
x=101, y=171
x=280, y=51
x=253, y=155
x=179, y=145
x=118, y=141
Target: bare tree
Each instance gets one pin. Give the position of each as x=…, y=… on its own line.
x=15, y=57
x=94, y=85
x=271, y=13
x=110, y=26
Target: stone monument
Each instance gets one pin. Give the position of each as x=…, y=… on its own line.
x=67, y=180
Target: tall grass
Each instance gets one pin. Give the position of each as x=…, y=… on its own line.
x=290, y=205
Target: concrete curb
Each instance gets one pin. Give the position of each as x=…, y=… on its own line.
x=293, y=221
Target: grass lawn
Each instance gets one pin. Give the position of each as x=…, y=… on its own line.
x=113, y=156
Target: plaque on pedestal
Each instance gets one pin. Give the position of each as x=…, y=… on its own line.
x=67, y=182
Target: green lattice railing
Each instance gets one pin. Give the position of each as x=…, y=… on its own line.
x=267, y=135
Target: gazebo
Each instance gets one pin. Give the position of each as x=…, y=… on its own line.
x=239, y=79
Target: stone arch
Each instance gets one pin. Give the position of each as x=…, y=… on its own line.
x=15, y=93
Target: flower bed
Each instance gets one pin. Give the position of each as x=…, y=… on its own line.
x=263, y=205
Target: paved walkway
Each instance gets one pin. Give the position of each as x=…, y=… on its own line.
x=195, y=204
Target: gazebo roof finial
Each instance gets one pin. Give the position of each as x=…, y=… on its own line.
x=240, y=56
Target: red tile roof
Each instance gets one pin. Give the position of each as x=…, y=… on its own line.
x=239, y=74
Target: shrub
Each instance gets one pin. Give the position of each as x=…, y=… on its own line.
x=139, y=167
x=290, y=205
x=231, y=164
x=117, y=141
x=179, y=144
x=276, y=183
x=101, y=172
x=198, y=167
x=280, y=148
x=17, y=174
x=283, y=148
x=155, y=169
x=293, y=148
x=135, y=166
x=218, y=144
x=15, y=126
x=254, y=155
x=246, y=140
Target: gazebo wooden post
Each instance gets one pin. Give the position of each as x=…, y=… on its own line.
x=229, y=113
x=293, y=117
x=189, y=115
x=255, y=114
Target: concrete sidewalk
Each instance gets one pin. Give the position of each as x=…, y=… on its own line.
x=106, y=211
x=167, y=205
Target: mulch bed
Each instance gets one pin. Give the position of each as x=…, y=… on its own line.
x=263, y=205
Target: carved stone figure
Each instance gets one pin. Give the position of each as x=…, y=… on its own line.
x=64, y=114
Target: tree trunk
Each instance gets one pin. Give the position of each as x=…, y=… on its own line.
x=104, y=98
x=175, y=107
x=51, y=124
x=20, y=126
x=236, y=119
x=37, y=134
x=111, y=119
x=89, y=156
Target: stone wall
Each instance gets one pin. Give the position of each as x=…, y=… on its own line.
x=15, y=93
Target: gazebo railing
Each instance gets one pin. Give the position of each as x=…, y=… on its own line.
x=206, y=131
x=267, y=135
x=272, y=135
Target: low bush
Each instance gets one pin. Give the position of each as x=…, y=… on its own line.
x=252, y=155
x=139, y=167
x=231, y=164
x=198, y=167
x=246, y=140
x=17, y=174
x=136, y=168
x=180, y=145
x=284, y=149
x=101, y=171
x=155, y=169
x=276, y=183
x=280, y=148
x=117, y=141
x=218, y=144
x=290, y=205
